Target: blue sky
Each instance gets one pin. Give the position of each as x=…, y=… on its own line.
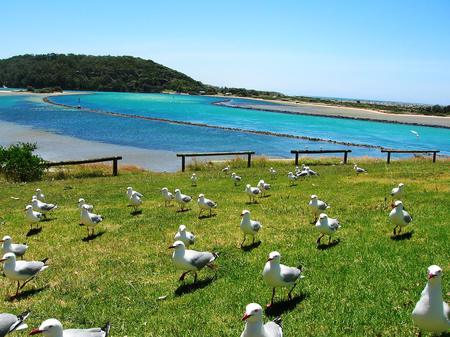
x=389, y=50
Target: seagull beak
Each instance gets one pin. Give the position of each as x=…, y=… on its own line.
x=171, y=247
x=242, y=214
x=35, y=331
x=1, y=241
x=269, y=259
x=2, y=260
x=430, y=276
x=244, y=318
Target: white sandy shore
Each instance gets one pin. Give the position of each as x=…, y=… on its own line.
x=54, y=147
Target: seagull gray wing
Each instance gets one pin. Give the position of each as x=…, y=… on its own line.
x=323, y=205
x=18, y=249
x=406, y=217
x=47, y=207
x=96, y=218
x=29, y=268
x=94, y=332
x=256, y=225
x=273, y=328
x=211, y=203
x=199, y=259
x=6, y=322
x=290, y=274
x=186, y=198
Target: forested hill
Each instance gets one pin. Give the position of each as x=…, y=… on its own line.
x=85, y=72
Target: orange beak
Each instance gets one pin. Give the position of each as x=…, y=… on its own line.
x=35, y=331
x=244, y=318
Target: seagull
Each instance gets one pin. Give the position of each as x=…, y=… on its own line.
x=358, y=169
x=310, y=172
x=205, y=204
x=317, y=206
x=254, y=325
x=414, y=133
x=297, y=170
x=188, y=238
x=130, y=192
x=252, y=192
x=9, y=247
x=226, y=169
x=182, y=199
x=237, y=179
x=263, y=186
x=42, y=206
x=136, y=201
x=397, y=191
x=33, y=216
x=10, y=323
x=194, y=179
x=82, y=202
x=248, y=226
x=39, y=194
x=273, y=172
x=168, y=197
x=279, y=275
x=399, y=217
x=327, y=226
x=292, y=178
x=191, y=260
x=53, y=328
x=21, y=271
x=431, y=313
x=90, y=220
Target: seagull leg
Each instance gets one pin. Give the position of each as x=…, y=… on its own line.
x=253, y=242
x=394, y=230
x=242, y=243
x=399, y=230
x=320, y=237
x=329, y=239
x=195, y=277
x=210, y=212
x=184, y=275
x=271, y=300
x=290, y=292
x=17, y=290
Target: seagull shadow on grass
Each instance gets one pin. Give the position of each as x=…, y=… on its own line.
x=252, y=202
x=266, y=196
x=191, y=287
x=250, y=247
x=183, y=210
x=207, y=216
x=333, y=243
x=34, y=231
x=137, y=212
x=25, y=294
x=401, y=237
x=93, y=237
x=279, y=308
x=48, y=219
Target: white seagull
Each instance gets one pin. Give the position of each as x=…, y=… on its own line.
x=42, y=207
x=188, y=238
x=194, y=179
x=90, y=220
x=21, y=271
x=397, y=192
x=431, y=313
x=182, y=199
x=317, y=206
x=327, y=226
x=279, y=275
x=167, y=196
x=252, y=192
x=273, y=172
x=249, y=226
x=135, y=201
x=399, y=217
x=226, y=169
x=254, y=325
x=191, y=260
x=205, y=204
x=39, y=194
x=9, y=247
x=358, y=169
x=263, y=186
x=10, y=323
x=82, y=202
x=33, y=216
x=310, y=172
x=53, y=328
x=130, y=192
x=237, y=179
x=292, y=178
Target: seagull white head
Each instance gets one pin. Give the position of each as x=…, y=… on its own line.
x=434, y=272
x=253, y=312
x=164, y=189
x=398, y=204
x=38, y=190
x=8, y=257
x=193, y=174
x=177, y=190
x=29, y=208
x=6, y=239
x=51, y=328
x=85, y=207
x=274, y=256
x=290, y=173
x=201, y=196
x=248, y=186
x=182, y=228
x=33, y=198
x=177, y=245
x=401, y=185
x=81, y=201
x=245, y=212
x=323, y=217
x=313, y=196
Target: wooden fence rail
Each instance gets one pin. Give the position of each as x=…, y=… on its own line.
x=207, y=154
x=389, y=151
x=297, y=152
x=88, y=161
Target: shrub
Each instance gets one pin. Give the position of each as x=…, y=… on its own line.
x=18, y=163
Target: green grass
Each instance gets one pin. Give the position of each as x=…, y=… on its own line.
x=366, y=285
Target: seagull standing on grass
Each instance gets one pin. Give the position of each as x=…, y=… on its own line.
x=39, y=195
x=358, y=169
x=188, y=238
x=273, y=172
x=33, y=216
x=279, y=275
x=168, y=197
x=205, y=204
x=263, y=186
x=21, y=271
x=130, y=193
x=252, y=192
x=226, y=169
x=82, y=202
x=431, y=313
x=327, y=226
x=182, y=199
x=397, y=192
x=194, y=179
x=236, y=179
x=249, y=226
x=254, y=325
x=53, y=328
x=135, y=201
x=310, y=172
x=292, y=178
x=90, y=220
x=42, y=206
x=399, y=217
x=317, y=206
x=9, y=247
x=191, y=260
x=10, y=323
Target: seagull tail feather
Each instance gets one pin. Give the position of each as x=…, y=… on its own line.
x=19, y=325
x=106, y=328
x=278, y=321
x=45, y=260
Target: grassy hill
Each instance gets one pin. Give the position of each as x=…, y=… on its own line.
x=366, y=285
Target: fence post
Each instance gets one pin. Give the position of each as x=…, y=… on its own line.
x=389, y=157
x=183, y=163
x=296, y=158
x=115, y=170
x=434, y=157
x=345, y=157
x=249, y=160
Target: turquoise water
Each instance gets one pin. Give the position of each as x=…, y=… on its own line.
x=28, y=110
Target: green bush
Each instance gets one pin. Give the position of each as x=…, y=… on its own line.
x=18, y=163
